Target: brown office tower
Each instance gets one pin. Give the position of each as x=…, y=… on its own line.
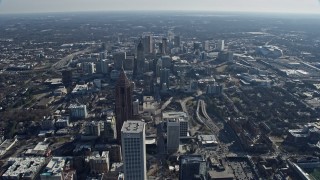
x=67, y=78
x=123, y=102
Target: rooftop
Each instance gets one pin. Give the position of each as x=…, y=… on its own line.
x=208, y=139
x=27, y=167
x=72, y=106
x=55, y=166
x=132, y=126
x=174, y=114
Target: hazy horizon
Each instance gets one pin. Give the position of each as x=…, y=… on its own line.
x=273, y=6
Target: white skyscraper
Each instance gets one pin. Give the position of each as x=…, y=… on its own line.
x=134, y=150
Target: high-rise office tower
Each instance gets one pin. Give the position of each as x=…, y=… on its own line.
x=109, y=129
x=164, y=46
x=148, y=83
x=173, y=135
x=164, y=78
x=92, y=128
x=67, y=78
x=129, y=63
x=134, y=150
x=140, y=59
x=148, y=44
x=206, y=45
x=220, y=45
x=196, y=46
x=123, y=97
x=104, y=66
x=177, y=41
x=158, y=67
x=88, y=67
x=166, y=62
x=135, y=107
x=146, y=66
x=192, y=167
x=119, y=58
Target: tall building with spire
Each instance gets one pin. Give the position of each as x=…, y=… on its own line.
x=123, y=97
x=140, y=59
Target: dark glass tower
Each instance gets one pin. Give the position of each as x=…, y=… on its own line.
x=123, y=102
x=140, y=59
x=67, y=78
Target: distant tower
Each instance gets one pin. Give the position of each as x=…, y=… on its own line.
x=164, y=46
x=148, y=44
x=206, y=46
x=119, y=58
x=196, y=46
x=220, y=45
x=67, y=78
x=134, y=150
x=140, y=59
x=177, y=41
x=164, y=78
x=123, y=97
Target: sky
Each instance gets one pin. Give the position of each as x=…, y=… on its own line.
x=38, y=6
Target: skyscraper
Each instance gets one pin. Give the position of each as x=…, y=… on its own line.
x=148, y=44
x=164, y=78
x=104, y=66
x=88, y=67
x=164, y=46
x=220, y=45
x=173, y=135
x=119, y=58
x=123, y=97
x=206, y=45
x=177, y=41
x=67, y=78
x=192, y=167
x=134, y=150
x=140, y=59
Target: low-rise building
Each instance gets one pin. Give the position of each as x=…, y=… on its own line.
x=149, y=105
x=78, y=111
x=214, y=89
x=99, y=163
x=24, y=168
x=6, y=146
x=47, y=123
x=116, y=171
x=62, y=122
x=41, y=149
x=80, y=89
x=207, y=140
x=58, y=168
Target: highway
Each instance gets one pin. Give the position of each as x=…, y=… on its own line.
x=164, y=105
x=222, y=149
x=183, y=104
x=66, y=60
